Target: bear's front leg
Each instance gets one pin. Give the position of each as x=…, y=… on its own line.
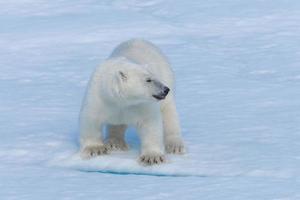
x=150, y=132
x=91, y=142
x=172, y=136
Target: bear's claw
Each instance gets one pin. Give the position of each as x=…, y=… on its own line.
x=152, y=159
x=116, y=144
x=92, y=151
x=175, y=147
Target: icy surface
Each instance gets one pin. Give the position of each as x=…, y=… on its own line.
x=237, y=65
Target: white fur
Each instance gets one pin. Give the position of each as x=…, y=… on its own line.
x=118, y=95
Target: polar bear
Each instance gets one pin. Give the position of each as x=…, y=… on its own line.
x=134, y=86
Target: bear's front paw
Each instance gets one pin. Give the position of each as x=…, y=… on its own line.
x=116, y=144
x=152, y=159
x=174, y=146
x=92, y=151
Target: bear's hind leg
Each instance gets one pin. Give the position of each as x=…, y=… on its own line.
x=172, y=136
x=115, y=138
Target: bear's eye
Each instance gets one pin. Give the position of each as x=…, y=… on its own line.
x=148, y=80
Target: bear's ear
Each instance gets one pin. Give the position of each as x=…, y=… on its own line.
x=123, y=75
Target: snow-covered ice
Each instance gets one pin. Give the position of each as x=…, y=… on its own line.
x=237, y=65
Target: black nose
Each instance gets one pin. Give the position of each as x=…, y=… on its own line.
x=166, y=90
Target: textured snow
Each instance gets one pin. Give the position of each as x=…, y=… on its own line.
x=237, y=65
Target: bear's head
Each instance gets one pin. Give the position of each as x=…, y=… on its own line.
x=134, y=84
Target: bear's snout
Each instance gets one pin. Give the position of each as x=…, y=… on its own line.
x=162, y=94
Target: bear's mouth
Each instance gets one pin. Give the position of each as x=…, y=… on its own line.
x=159, y=97
x=162, y=94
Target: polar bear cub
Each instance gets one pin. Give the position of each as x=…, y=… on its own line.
x=134, y=86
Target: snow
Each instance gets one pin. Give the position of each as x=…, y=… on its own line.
x=237, y=65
